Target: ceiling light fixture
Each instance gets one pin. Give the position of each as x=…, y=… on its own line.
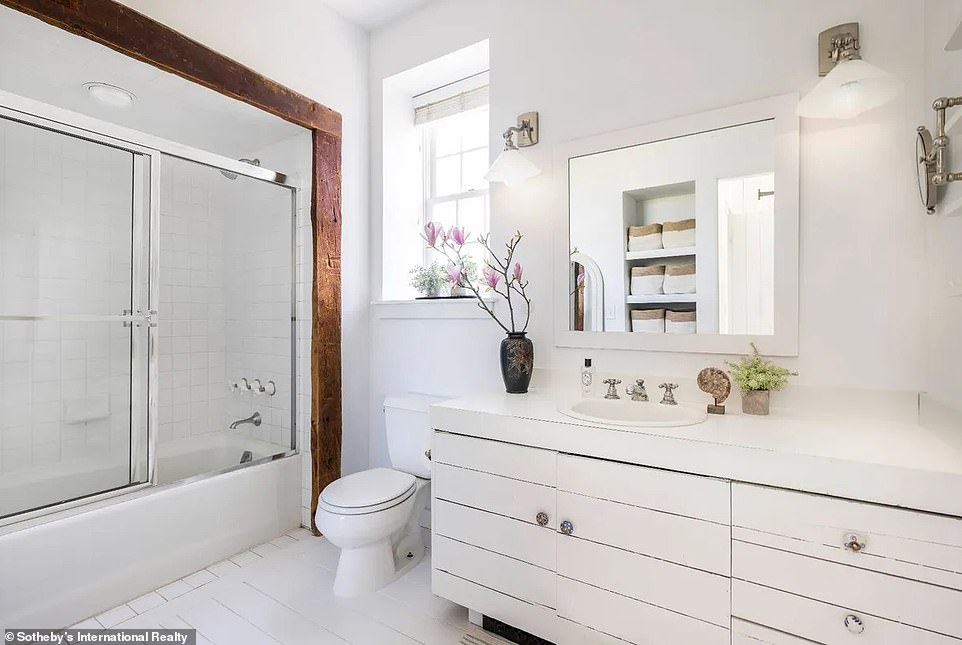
x=511, y=167
x=110, y=95
x=851, y=86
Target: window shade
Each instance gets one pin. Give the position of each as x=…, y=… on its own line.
x=461, y=102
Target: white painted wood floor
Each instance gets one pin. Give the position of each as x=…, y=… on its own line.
x=280, y=592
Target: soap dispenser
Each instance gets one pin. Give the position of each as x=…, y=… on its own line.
x=587, y=378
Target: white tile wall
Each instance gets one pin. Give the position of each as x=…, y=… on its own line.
x=65, y=245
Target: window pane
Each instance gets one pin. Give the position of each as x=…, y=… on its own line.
x=444, y=213
x=447, y=137
x=473, y=216
x=474, y=128
x=473, y=166
x=447, y=175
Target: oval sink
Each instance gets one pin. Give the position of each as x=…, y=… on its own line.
x=635, y=414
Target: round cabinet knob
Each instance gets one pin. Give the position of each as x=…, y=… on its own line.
x=427, y=453
x=542, y=518
x=854, y=624
x=567, y=527
x=854, y=544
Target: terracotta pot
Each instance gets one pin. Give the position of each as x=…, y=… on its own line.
x=517, y=362
x=756, y=402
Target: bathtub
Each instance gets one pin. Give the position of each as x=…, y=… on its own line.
x=60, y=568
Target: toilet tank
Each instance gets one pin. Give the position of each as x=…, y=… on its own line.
x=409, y=432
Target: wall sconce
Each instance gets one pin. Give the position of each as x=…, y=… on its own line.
x=931, y=155
x=851, y=86
x=511, y=168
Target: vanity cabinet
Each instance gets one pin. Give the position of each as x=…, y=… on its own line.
x=583, y=550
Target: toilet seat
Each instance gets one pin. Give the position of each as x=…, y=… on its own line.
x=368, y=491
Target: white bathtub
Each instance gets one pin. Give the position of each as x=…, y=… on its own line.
x=61, y=568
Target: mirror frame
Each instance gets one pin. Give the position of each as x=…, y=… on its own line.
x=783, y=111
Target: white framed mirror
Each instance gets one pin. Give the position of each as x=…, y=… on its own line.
x=684, y=233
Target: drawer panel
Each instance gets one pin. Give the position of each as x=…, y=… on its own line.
x=516, y=539
x=661, y=490
x=507, y=575
x=821, y=622
x=860, y=591
x=506, y=459
x=905, y=543
x=682, y=540
x=520, y=500
x=687, y=591
x=633, y=621
x=523, y=615
x=745, y=633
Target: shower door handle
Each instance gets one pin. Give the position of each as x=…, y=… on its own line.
x=138, y=318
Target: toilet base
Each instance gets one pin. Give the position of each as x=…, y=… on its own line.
x=365, y=569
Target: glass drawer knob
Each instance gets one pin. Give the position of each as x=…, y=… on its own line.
x=567, y=527
x=542, y=519
x=854, y=544
x=854, y=624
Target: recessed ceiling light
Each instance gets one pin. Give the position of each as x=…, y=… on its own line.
x=110, y=94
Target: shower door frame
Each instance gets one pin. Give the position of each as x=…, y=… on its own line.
x=146, y=222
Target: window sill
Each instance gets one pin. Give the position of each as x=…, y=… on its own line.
x=440, y=309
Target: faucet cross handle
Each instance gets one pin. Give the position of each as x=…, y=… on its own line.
x=669, y=398
x=612, y=384
x=637, y=392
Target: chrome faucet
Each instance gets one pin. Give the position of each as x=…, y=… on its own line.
x=637, y=392
x=254, y=420
x=669, y=398
x=612, y=384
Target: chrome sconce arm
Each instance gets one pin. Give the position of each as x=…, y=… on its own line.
x=932, y=154
x=527, y=131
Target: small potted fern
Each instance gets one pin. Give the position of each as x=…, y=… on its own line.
x=757, y=378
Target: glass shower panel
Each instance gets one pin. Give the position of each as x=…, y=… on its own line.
x=73, y=360
x=226, y=320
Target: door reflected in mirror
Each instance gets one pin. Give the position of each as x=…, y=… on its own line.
x=676, y=236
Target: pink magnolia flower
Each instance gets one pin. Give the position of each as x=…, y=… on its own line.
x=431, y=233
x=458, y=235
x=517, y=273
x=491, y=277
x=455, y=273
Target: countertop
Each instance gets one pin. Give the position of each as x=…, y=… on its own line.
x=857, y=455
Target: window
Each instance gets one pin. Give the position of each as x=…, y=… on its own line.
x=454, y=153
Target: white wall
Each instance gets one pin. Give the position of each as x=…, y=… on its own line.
x=309, y=48
x=600, y=66
x=943, y=242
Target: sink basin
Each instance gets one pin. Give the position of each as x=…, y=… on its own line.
x=633, y=414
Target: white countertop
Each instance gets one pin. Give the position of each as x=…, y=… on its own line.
x=858, y=455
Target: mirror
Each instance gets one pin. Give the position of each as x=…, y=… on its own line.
x=676, y=232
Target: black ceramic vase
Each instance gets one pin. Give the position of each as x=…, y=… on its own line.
x=517, y=362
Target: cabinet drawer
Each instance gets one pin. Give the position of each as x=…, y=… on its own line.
x=504, y=535
x=633, y=621
x=687, y=591
x=682, y=540
x=858, y=590
x=745, y=633
x=520, y=500
x=661, y=490
x=507, y=575
x=905, y=543
x=506, y=459
x=821, y=622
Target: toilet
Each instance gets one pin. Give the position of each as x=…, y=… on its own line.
x=372, y=516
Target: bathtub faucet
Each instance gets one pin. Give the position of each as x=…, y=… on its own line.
x=254, y=419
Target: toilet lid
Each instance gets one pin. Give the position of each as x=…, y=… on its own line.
x=368, y=488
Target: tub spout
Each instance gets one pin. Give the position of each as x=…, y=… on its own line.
x=254, y=419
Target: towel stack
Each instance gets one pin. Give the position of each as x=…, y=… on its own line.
x=644, y=238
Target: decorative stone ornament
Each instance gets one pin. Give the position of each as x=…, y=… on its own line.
x=715, y=382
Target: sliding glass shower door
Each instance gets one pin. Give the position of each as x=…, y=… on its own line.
x=73, y=314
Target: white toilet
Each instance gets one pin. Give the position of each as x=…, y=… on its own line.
x=372, y=516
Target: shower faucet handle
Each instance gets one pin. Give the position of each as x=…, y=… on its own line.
x=258, y=387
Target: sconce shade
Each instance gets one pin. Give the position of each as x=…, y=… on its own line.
x=511, y=168
x=851, y=88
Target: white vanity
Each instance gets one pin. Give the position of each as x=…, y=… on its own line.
x=737, y=530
